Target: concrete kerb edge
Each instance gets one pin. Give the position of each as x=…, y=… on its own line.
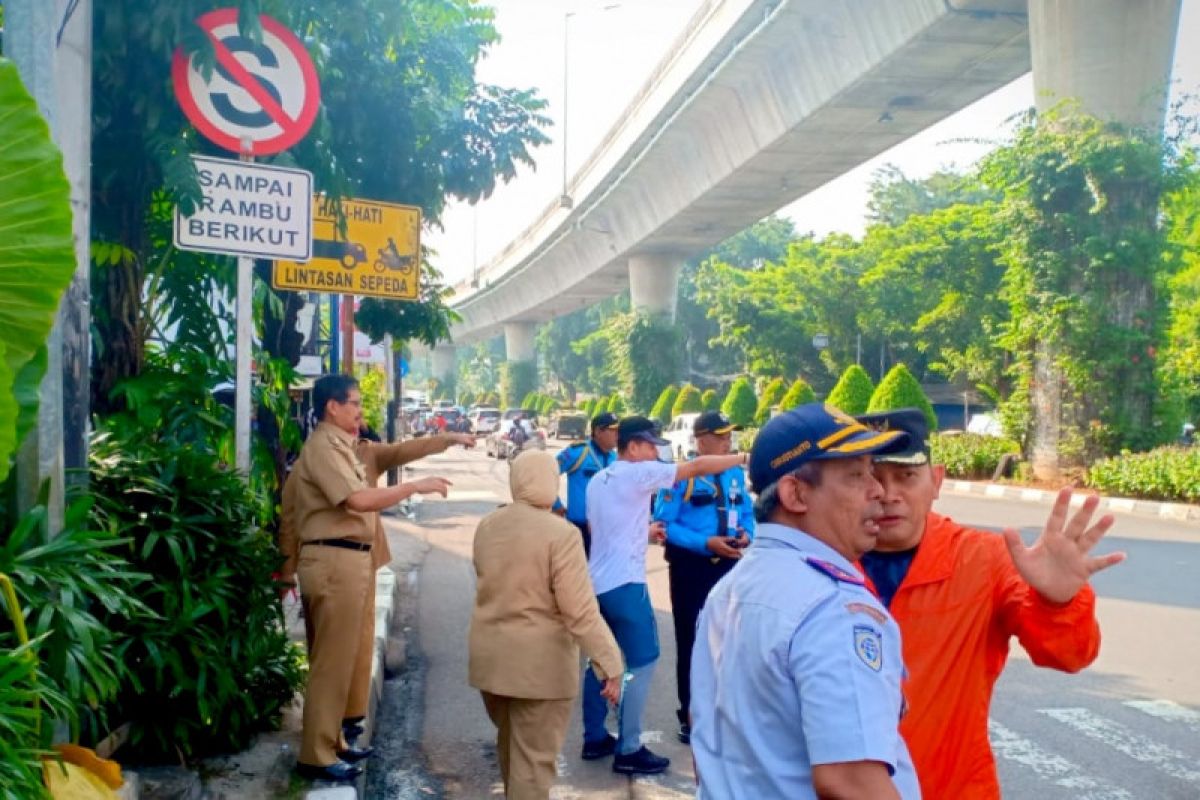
x=386, y=589
x=1176, y=511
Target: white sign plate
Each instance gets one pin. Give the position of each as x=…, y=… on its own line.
x=249, y=210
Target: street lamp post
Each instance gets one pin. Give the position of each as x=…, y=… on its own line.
x=565, y=200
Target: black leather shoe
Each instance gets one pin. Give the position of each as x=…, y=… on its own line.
x=353, y=754
x=338, y=772
x=640, y=762
x=352, y=728
x=685, y=733
x=599, y=749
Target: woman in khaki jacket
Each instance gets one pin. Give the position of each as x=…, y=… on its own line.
x=533, y=604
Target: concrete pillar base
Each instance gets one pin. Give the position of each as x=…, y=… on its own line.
x=654, y=282
x=519, y=341
x=444, y=362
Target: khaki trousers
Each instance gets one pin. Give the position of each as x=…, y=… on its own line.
x=529, y=734
x=360, y=684
x=335, y=586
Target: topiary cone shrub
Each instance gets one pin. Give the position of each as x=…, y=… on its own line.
x=662, y=406
x=799, y=394
x=772, y=393
x=899, y=389
x=687, y=402
x=709, y=400
x=740, y=404
x=853, y=391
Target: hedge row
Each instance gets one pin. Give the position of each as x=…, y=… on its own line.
x=970, y=455
x=1167, y=473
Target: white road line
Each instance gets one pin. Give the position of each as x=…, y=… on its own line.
x=1168, y=710
x=1050, y=767
x=1140, y=748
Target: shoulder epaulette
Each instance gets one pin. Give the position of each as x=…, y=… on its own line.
x=834, y=571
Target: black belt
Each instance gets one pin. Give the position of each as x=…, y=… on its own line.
x=345, y=544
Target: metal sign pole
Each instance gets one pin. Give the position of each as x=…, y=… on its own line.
x=244, y=340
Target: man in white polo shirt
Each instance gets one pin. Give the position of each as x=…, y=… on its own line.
x=618, y=511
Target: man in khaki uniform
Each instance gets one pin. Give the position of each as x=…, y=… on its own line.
x=376, y=458
x=335, y=514
x=533, y=604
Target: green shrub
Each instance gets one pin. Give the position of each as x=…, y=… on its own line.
x=616, y=405
x=740, y=404
x=661, y=410
x=28, y=702
x=797, y=395
x=517, y=379
x=772, y=393
x=466, y=399
x=1165, y=473
x=970, y=455
x=210, y=661
x=899, y=389
x=688, y=401
x=853, y=391
x=530, y=400
x=68, y=585
x=709, y=401
x=744, y=439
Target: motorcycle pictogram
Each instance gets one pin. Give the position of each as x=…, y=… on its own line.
x=390, y=258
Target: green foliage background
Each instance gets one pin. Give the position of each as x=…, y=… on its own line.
x=687, y=401
x=899, y=389
x=853, y=391
x=740, y=404
x=798, y=394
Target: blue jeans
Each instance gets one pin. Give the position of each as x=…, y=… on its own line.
x=628, y=613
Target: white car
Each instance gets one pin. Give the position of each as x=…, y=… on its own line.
x=484, y=420
x=679, y=434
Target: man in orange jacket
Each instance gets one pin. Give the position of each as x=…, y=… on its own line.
x=959, y=595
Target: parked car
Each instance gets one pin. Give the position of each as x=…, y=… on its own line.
x=679, y=434
x=568, y=425
x=484, y=420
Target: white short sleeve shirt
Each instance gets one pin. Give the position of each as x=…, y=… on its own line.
x=618, y=513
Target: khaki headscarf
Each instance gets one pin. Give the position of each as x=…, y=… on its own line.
x=534, y=479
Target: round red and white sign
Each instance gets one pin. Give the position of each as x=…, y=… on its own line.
x=263, y=94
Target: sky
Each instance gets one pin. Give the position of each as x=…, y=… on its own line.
x=611, y=49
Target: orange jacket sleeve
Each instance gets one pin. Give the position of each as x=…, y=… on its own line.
x=1064, y=637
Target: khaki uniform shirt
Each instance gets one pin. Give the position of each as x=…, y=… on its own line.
x=327, y=472
x=375, y=459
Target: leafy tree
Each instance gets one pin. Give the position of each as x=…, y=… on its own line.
x=687, y=402
x=709, y=400
x=772, y=393
x=517, y=379
x=894, y=197
x=1084, y=251
x=853, y=391
x=531, y=400
x=797, y=395
x=616, y=405
x=899, y=389
x=662, y=406
x=740, y=404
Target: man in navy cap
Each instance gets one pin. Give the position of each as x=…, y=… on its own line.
x=618, y=504
x=709, y=520
x=581, y=461
x=960, y=595
x=796, y=670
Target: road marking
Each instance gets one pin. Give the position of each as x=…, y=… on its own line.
x=1140, y=748
x=1051, y=767
x=560, y=766
x=471, y=495
x=994, y=490
x=1168, y=710
x=652, y=737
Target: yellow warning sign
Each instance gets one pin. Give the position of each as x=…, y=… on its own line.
x=380, y=255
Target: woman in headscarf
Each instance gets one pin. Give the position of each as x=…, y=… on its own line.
x=534, y=610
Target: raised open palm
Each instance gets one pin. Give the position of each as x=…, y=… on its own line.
x=1058, y=564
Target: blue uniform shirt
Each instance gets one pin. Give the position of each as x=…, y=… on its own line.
x=580, y=462
x=689, y=509
x=796, y=663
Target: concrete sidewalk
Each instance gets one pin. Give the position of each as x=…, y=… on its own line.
x=1182, y=512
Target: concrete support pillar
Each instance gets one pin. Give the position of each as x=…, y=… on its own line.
x=1113, y=56
x=445, y=363
x=654, y=282
x=519, y=341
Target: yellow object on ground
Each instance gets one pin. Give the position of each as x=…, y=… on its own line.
x=81, y=775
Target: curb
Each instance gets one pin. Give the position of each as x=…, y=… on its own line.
x=1181, y=512
x=386, y=587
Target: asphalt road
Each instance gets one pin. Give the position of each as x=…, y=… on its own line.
x=1125, y=728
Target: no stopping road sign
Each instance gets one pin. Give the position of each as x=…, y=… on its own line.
x=264, y=93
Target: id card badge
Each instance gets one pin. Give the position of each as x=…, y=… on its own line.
x=733, y=521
